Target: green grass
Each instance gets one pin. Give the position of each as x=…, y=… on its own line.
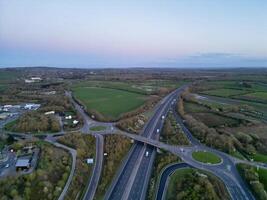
x=98, y=128
x=8, y=75
x=109, y=102
x=194, y=108
x=237, y=154
x=256, y=96
x=9, y=126
x=263, y=177
x=130, y=87
x=224, y=92
x=214, y=120
x=259, y=157
x=206, y=157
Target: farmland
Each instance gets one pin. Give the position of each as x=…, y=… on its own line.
x=256, y=96
x=225, y=92
x=108, y=102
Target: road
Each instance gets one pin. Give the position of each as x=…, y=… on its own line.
x=92, y=186
x=132, y=179
x=73, y=166
x=164, y=178
x=226, y=170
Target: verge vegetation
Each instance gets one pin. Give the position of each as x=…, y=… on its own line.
x=256, y=179
x=116, y=147
x=195, y=184
x=46, y=182
x=85, y=146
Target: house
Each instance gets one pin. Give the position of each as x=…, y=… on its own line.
x=52, y=112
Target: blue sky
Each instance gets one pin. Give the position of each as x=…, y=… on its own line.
x=184, y=33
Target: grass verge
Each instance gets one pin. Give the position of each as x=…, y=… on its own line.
x=206, y=157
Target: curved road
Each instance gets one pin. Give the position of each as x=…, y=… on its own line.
x=164, y=178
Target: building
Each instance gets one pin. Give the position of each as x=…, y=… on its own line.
x=29, y=81
x=89, y=160
x=68, y=117
x=33, y=80
x=32, y=106
x=52, y=112
x=23, y=163
x=75, y=122
x=3, y=116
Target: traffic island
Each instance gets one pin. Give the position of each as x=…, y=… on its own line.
x=98, y=128
x=206, y=157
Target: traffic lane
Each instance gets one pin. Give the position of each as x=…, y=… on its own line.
x=138, y=185
x=93, y=181
x=231, y=179
x=11, y=162
x=122, y=179
x=165, y=175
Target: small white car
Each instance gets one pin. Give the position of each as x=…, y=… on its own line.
x=7, y=166
x=162, y=117
x=147, y=153
x=157, y=130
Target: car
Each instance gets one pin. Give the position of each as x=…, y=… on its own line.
x=147, y=153
x=157, y=130
x=162, y=117
x=7, y=166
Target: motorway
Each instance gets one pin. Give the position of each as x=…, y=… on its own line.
x=132, y=179
x=131, y=182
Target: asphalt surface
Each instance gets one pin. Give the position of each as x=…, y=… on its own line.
x=226, y=170
x=132, y=180
x=73, y=166
x=93, y=183
x=164, y=178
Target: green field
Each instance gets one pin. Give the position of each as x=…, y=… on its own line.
x=214, y=120
x=111, y=103
x=263, y=177
x=224, y=92
x=98, y=128
x=259, y=157
x=194, y=107
x=146, y=87
x=8, y=75
x=206, y=157
x=130, y=87
x=262, y=96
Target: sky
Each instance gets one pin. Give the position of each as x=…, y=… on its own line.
x=139, y=33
